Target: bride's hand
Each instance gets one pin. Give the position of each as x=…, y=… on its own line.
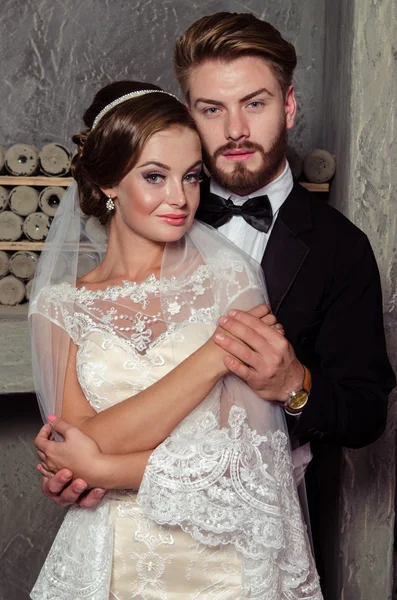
x=78, y=452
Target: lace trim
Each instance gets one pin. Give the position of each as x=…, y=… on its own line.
x=235, y=486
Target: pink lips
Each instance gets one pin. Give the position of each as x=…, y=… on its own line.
x=238, y=155
x=173, y=219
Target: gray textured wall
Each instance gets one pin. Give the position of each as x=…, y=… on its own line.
x=56, y=55
x=360, y=107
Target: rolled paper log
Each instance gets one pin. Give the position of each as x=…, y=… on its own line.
x=50, y=199
x=23, y=200
x=36, y=226
x=86, y=263
x=23, y=264
x=319, y=166
x=3, y=198
x=22, y=160
x=295, y=162
x=54, y=160
x=95, y=231
x=28, y=289
x=11, y=226
x=4, y=258
x=12, y=291
x=2, y=155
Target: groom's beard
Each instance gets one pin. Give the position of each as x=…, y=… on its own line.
x=242, y=180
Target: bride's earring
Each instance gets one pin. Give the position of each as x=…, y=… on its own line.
x=110, y=204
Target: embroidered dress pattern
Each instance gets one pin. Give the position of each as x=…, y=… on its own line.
x=217, y=515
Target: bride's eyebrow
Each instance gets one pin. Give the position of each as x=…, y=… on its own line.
x=154, y=162
x=198, y=163
x=163, y=166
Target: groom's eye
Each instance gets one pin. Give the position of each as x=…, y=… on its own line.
x=212, y=110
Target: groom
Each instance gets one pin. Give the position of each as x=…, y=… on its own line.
x=332, y=375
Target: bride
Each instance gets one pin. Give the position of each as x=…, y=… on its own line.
x=203, y=501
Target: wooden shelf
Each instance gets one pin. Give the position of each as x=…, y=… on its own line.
x=315, y=187
x=37, y=246
x=39, y=181
x=20, y=311
x=43, y=181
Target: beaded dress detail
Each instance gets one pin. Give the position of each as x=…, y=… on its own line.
x=217, y=515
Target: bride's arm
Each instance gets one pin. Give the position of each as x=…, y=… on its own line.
x=143, y=421
x=82, y=456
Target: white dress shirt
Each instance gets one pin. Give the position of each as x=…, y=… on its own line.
x=237, y=230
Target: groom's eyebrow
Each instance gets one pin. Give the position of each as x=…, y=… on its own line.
x=248, y=97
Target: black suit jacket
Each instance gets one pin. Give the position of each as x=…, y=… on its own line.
x=324, y=287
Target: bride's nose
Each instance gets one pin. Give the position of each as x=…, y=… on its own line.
x=177, y=196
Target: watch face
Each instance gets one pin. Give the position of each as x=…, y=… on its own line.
x=299, y=400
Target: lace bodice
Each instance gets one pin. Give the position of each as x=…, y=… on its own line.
x=216, y=477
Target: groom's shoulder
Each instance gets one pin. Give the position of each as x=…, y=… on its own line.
x=328, y=220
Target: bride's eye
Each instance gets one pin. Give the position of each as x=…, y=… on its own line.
x=154, y=177
x=193, y=178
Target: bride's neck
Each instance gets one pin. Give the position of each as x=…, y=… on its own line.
x=130, y=255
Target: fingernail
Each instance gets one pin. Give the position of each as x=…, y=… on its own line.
x=223, y=320
x=80, y=488
x=101, y=493
x=38, y=467
x=67, y=478
x=51, y=418
x=219, y=336
x=232, y=313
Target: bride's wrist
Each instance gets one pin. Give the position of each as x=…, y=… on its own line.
x=214, y=356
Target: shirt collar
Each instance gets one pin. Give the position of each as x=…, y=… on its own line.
x=277, y=190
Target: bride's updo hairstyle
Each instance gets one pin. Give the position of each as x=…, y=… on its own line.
x=107, y=152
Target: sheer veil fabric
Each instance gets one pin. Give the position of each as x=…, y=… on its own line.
x=225, y=474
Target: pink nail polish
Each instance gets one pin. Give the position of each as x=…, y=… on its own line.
x=51, y=418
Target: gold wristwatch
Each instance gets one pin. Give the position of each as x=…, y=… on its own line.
x=297, y=400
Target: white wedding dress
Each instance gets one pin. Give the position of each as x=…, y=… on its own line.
x=217, y=516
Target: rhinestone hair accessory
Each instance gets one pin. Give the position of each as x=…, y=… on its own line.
x=124, y=99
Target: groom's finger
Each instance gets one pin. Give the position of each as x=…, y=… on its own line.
x=246, y=334
x=237, y=349
x=259, y=311
x=270, y=334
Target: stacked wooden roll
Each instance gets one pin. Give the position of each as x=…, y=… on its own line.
x=25, y=160
x=26, y=212
x=16, y=272
x=317, y=167
x=27, y=207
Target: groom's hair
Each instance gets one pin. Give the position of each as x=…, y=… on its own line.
x=227, y=36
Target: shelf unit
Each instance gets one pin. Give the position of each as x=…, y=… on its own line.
x=20, y=311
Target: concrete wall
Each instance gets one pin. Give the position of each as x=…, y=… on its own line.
x=56, y=55
x=360, y=107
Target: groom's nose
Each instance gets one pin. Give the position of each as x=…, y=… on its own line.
x=236, y=126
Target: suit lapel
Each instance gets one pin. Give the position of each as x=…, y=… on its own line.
x=286, y=252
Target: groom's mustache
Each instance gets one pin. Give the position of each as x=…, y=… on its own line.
x=234, y=146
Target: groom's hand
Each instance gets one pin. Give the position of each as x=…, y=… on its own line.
x=260, y=355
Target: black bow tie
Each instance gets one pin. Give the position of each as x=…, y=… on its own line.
x=217, y=211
